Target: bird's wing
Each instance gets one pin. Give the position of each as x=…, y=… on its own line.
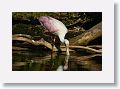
x=59, y=25
x=53, y=26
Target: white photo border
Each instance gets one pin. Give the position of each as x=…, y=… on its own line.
x=104, y=76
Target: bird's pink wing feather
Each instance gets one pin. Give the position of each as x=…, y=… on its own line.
x=50, y=25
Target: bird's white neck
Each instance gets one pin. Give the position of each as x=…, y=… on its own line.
x=67, y=46
x=66, y=42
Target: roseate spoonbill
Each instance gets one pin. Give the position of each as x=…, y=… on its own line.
x=55, y=27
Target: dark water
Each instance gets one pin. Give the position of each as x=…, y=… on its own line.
x=46, y=61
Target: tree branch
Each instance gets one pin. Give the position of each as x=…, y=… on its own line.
x=27, y=39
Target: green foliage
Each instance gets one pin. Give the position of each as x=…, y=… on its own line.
x=67, y=18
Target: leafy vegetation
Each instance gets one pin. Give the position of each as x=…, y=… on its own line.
x=25, y=22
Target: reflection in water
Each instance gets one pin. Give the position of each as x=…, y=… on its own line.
x=60, y=68
x=66, y=62
x=42, y=61
x=65, y=66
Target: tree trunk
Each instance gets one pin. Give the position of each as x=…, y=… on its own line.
x=87, y=36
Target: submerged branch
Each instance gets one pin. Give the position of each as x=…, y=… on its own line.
x=84, y=58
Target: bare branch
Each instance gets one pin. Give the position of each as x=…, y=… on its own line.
x=85, y=47
x=95, y=46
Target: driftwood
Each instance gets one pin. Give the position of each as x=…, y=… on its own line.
x=30, y=41
x=20, y=37
x=87, y=36
x=86, y=48
x=41, y=42
x=19, y=48
x=95, y=46
x=75, y=42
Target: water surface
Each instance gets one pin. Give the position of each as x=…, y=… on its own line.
x=47, y=61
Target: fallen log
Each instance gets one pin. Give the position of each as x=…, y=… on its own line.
x=75, y=42
x=48, y=45
x=22, y=35
x=41, y=42
x=87, y=36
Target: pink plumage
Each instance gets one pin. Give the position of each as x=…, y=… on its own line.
x=48, y=23
x=56, y=27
